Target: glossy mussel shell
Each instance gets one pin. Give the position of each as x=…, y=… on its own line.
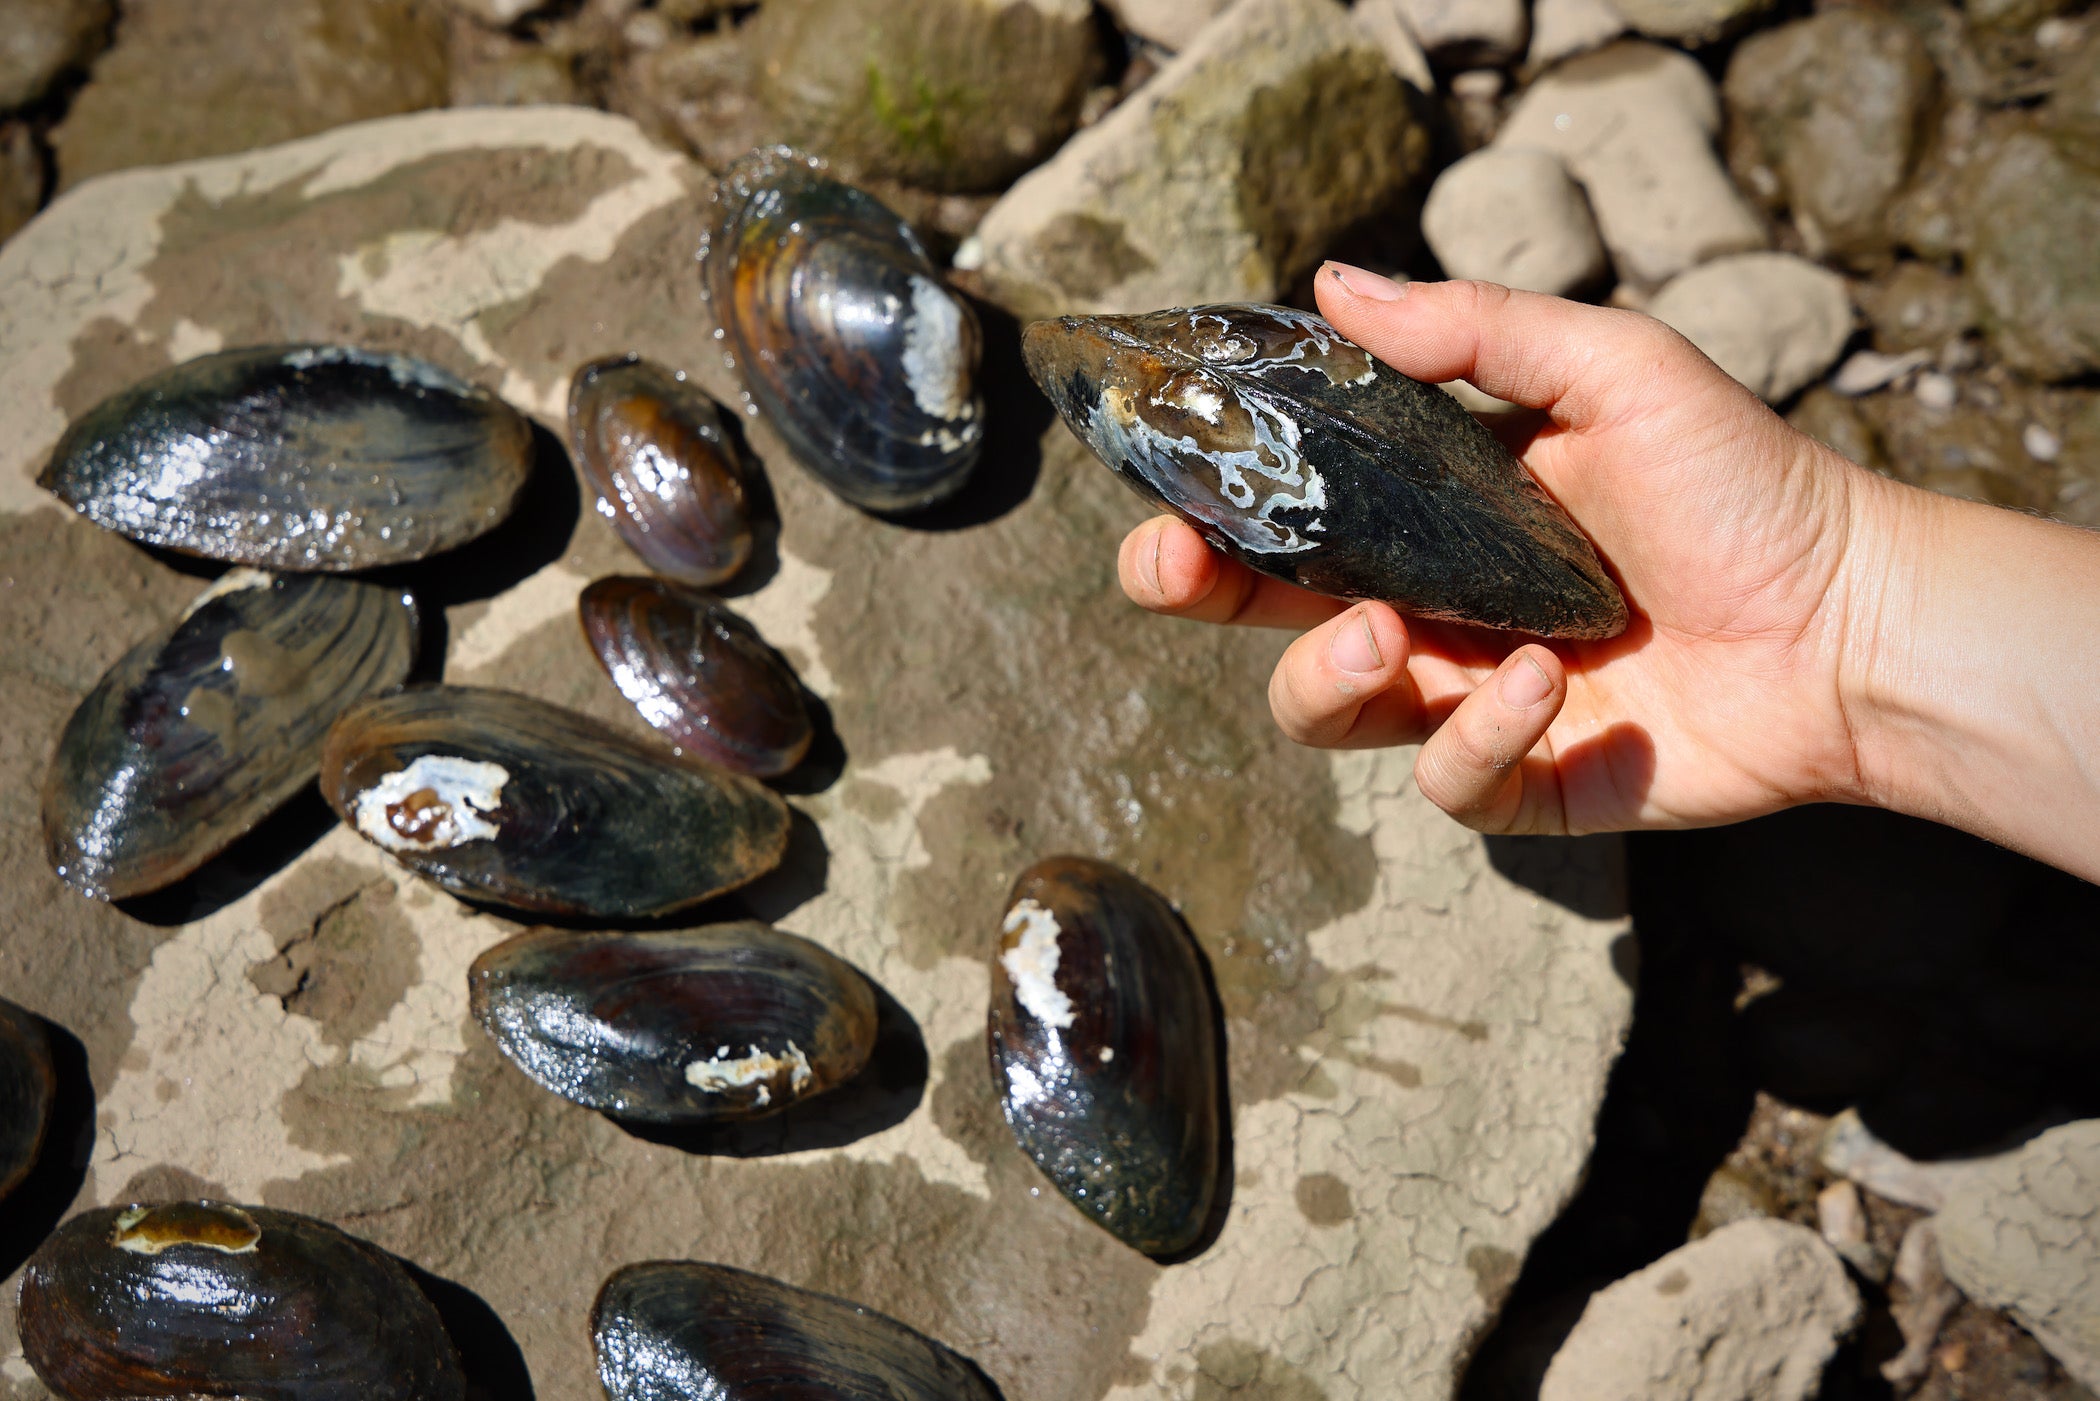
x=689, y=1026
x=502, y=798
x=698, y=672
x=192, y=1299
x=676, y=1329
x=313, y=457
x=1104, y=1053
x=673, y=483
x=28, y=1084
x=846, y=339
x=1295, y=452
x=207, y=727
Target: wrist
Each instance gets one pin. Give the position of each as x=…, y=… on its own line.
x=1880, y=593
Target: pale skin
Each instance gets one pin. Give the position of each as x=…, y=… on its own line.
x=1803, y=630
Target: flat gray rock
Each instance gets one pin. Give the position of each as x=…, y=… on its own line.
x=1418, y=1042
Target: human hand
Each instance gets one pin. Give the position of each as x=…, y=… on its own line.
x=1730, y=533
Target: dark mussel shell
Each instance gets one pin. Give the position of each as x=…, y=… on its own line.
x=507, y=799
x=1104, y=1055
x=672, y=1329
x=200, y=732
x=688, y=1026
x=308, y=457
x=28, y=1083
x=671, y=481
x=1296, y=453
x=194, y=1299
x=843, y=332
x=698, y=672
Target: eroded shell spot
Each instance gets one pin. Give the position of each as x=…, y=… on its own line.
x=1032, y=963
x=438, y=801
x=148, y=1230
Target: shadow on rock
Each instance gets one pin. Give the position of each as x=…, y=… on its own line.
x=826, y=759
x=33, y=1210
x=273, y=844
x=882, y=1096
x=1016, y=415
x=1586, y=875
x=488, y=1354
x=533, y=536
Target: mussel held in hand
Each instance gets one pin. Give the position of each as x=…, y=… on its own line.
x=1296, y=453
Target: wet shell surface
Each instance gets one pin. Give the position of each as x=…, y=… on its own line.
x=674, y=1329
x=698, y=672
x=28, y=1083
x=845, y=336
x=203, y=730
x=1104, y=1053
x=1296, y=453
x=507, y=799
x=689, y=1026
x=311, y=457
x=669, y=478
x=193, y=1299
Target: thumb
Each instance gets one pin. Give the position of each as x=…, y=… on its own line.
x=1581, y=364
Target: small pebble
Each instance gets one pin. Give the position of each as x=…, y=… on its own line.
x=1936, y=391
x=2058, y=33
x=1841, y=1215
x=1868, y=370
x=2041, y=444
x=1477, y=85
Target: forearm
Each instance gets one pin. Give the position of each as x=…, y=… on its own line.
x=1973, y=678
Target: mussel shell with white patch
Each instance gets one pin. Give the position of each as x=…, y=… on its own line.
x=846, y=339
x=194, y=1299
x=698, y=672
x=502, y=798
x=1104, y=1054
x=207, y=727
x=28, y=1085
x=673, y=483
x=1296, y=453
x=683, y=1027
x=311, y=457
x=672, y=1329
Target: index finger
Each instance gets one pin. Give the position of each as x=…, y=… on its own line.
x=1166, y=567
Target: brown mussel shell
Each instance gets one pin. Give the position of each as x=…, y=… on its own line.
x=28, y=1084
x=194, y=1299
x=502, y=798
x=845, y=336
x=687, y=1027
x=673, y=483
x=306, y=457
x=203, y=730
x=1104, y=1054
x=698, y=672
x=673, y=1328
x=1296, y=453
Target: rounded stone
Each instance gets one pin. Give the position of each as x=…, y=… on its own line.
x=1774, y=321
x=1514, y=215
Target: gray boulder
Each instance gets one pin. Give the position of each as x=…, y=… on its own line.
x=2024, y=1235
x=1513, y=214
x=2033, y=206
x=1462, y=33
x=1221, y=179
x=1635, y=123
x=1171, y=24
x=1562, y=28
x=1753, y=1311
x=21, y=177
x=1773, y=320
x=1838, y=107
x=1691, y=22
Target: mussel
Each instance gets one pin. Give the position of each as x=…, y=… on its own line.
x=502, y=798
x=674, y=485
x=686, y=1027
x=673, y=1329
x=303, y=457
x=204, y=729
x=196, y=1299
x=1103, y=1051
x=844, y=335
x=698, y=672
x=28, y=1083
x=1296, y=453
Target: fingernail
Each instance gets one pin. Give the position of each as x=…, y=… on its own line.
x=1353, y=647
x=1525, y=684
x=1159, y=535
x=1367, y=284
